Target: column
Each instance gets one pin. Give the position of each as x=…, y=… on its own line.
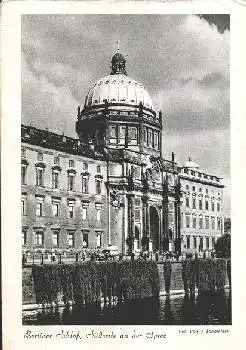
x=160, y=229
x=131, y=220
x=147, y=220
x=144, y=211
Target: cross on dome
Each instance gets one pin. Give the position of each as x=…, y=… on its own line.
x=118, y=46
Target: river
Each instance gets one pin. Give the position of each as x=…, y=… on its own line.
x=206, y=309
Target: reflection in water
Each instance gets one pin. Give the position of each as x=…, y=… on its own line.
x=206, y=308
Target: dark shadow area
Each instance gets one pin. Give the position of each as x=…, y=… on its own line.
x=210, y=308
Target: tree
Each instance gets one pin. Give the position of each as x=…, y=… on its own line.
x=223, y=246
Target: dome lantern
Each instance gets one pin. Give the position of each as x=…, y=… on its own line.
x=118, y=62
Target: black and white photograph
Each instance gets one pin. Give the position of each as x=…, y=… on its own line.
x=125, y=169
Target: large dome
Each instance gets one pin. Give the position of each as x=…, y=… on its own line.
x=118, y=88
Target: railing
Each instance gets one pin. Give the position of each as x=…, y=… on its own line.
x=35, y=258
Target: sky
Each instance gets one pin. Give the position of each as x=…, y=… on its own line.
x=183, y=60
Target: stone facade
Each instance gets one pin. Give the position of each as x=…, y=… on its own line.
x=112, y=185
x=201, y=209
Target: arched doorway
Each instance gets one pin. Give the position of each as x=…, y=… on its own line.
x=154, y=228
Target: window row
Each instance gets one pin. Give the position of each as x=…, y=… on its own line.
x=187, y=187
x=119, y=133
x=198, y=242
x=151, y=138
x=39, y=238
x=201, y=205
x=39, y=208
x=71, y=176
x=192, y=221
x=71, y=162
x=200, y=175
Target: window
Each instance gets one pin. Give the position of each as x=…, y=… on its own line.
x=71, y=209
x=23, y=206
x=55, y=179
x=193, y=188
x=98, y=186
x=213, y=223
x=188, y=242
x=122, y=134
x=213, y=241
x=218, y=206
x=218, y=224
x=112, y=132
x=23, y=174
x=23, y=153
x=150, y=138
x=85, y=238
x=200, y=204
x=70, y=178
x=212, y=206
x=187, y=218
x=134, y=133
x=85, y=166
x=206, y=191
x=40, y=157
x=39, y=206
x=200, y=190
x=56, y=160
x=206, y=205
x=39, y=238
x=99, y=240
x=194, y=242
x=85, y=184
x=71, y=163
x=55, y=208
x=207, y=222
x=201, y=244
x=207, y=242
x=194, y=222
x=145, y=135
x=187, y=202
x=98, y=212
x=55, y=239
x=194, y=203
x=98, y=168
x=71, y=239
x=40, y=176
x=138, y=215
x=23, y=237
x=155, y=140
x=187, y=187
x=200, y=222
x=84, y=212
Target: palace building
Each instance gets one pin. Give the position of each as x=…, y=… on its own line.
x=111, y=186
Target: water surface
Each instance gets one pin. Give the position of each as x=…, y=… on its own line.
x=205, y=309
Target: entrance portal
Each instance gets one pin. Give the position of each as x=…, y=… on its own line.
x=154, y=228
